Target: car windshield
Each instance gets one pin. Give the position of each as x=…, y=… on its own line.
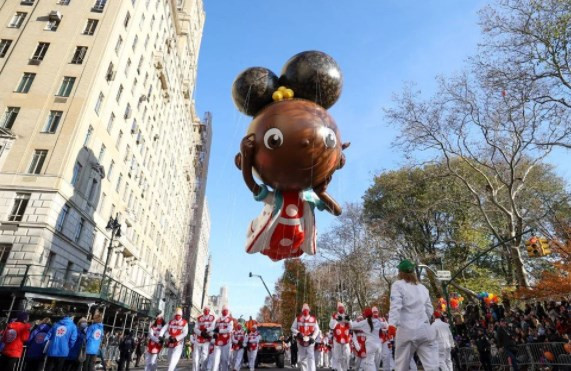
x=270, y=334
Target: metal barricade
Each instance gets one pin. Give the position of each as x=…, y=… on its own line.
x=529, y=357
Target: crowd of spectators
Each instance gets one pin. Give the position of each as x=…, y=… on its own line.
x=505, y=328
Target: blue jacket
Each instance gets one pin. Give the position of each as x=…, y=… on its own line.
x=94, y=337
x=62, y=337
x=76, y=348
x=37, y=341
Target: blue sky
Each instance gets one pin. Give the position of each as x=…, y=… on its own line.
x=379, y=45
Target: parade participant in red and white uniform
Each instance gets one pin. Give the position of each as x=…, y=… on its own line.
x=154, y=344
x=384, y=326
x=203, y=329
x=176, y=330
x=317, y=349
x=370, y=328
x=210, y=359
x=238, y=345
x=387, y=349
x=359, y=339
x=305, y=329
x=341, y=351
x=222, y=333
x=325, y=347
x=252, y=341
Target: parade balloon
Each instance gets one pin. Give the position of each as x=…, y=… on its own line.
x=454, y=303
x=293, y=146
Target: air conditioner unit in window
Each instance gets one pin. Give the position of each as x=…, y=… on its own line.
x=34, y=62
x=55, y=15
x=110, y=76
x=143, y=98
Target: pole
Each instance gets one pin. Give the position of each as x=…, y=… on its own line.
x=11, y=307
x=125, y=322
x=109, y=250
x=132, y=320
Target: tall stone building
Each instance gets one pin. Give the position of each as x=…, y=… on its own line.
x=98, y=121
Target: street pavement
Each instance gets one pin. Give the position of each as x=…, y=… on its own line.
x=185, y=365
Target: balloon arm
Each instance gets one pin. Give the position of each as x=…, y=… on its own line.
x=249, y=179
x=245, y=162
x=330, y=204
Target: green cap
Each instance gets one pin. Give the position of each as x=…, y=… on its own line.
x=406, y=266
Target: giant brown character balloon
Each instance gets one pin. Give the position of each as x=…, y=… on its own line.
x=293, y=145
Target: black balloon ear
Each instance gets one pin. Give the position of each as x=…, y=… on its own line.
x=314, y=76
x=253, y=88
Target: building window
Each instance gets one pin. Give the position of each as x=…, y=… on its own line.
x=127, y=19
x=25, y=82
x=66, y=86
x=52, y=24
x=61, y=218
x=4, y=46
x=79, y=55
x=110, y=122
x=63, y=2
x=92, y=190
x=38, y=161
x=99, y=5
x=99, y=103
x=119, y=139
x=4, y=253
x=78, y=230
x=127, y=111
x=9, y=117
x=135, y=40
x=113, y=207
x=110, y=172
x=127, y=66
x=119, y=92
x=17, y=20
x=52, y=122
x=88, y=136
x=118, y=45
x=147, y=41
x=40, y=52
x=90, y=27
x=27, y=2
x=102, y=202
x=19, y=207
x=101, y=153
x=118, y=185
x=76, y=173
x=110, y=74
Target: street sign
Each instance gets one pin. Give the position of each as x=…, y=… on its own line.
x=443, y=275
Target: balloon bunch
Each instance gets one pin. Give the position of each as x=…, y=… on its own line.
x=488, y=298
x=293, y=146
x=442, y=304
x=455, y=300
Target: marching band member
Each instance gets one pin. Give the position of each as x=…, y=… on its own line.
x=305, y=329
x=177, y=329
x=252, y=340
x=370, y=328
x=341, y=352
x=203, y=330
x=154, y=344
x=409, y=313
x=222, y=332
x=238, y=345
x=445, y=342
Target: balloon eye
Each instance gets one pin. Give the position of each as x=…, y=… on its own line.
x=273, y=138
x=329, y=138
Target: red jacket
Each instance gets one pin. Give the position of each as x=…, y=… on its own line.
x=15, y=335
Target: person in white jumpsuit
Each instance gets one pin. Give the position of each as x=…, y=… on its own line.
x=370, y=328
x=252, y=342
x=305, y=329
x=359, y=348
x=318, y=350
x=222, y=334
x=409, y=315
x=210, y=359
x=238, y=345
x=154, y=345
x=176, y=329
x=384, y=326
x=341, y=352
x=445, y=342
x=203, y=329
x=325, y=345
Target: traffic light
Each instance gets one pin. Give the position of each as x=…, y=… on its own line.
x=534, y=247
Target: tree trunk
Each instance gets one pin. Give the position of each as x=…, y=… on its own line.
x=519, y=269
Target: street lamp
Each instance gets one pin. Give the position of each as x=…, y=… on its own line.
x=115, y=228
x=269, y=293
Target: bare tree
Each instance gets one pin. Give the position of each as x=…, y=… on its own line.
x=488, y=140
x=529, y=41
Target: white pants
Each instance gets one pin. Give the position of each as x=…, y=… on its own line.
x=369, y=362
x=325, y=359
x=317, y=357
x=388, y=360
x=358, y=361
x=237, y=358
x=221, y=357
x=306, y=357
x=174, y=356
x=444, y=359
x=252, y=359
x=200, y=356
x=340, y=356
x=210, y=361
x=422, y=341
x=151, y=361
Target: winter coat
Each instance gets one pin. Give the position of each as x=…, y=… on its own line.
x=74, y=351
x=37, y=342
x=62, y=338
x=94, y=337
x=14, y=337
